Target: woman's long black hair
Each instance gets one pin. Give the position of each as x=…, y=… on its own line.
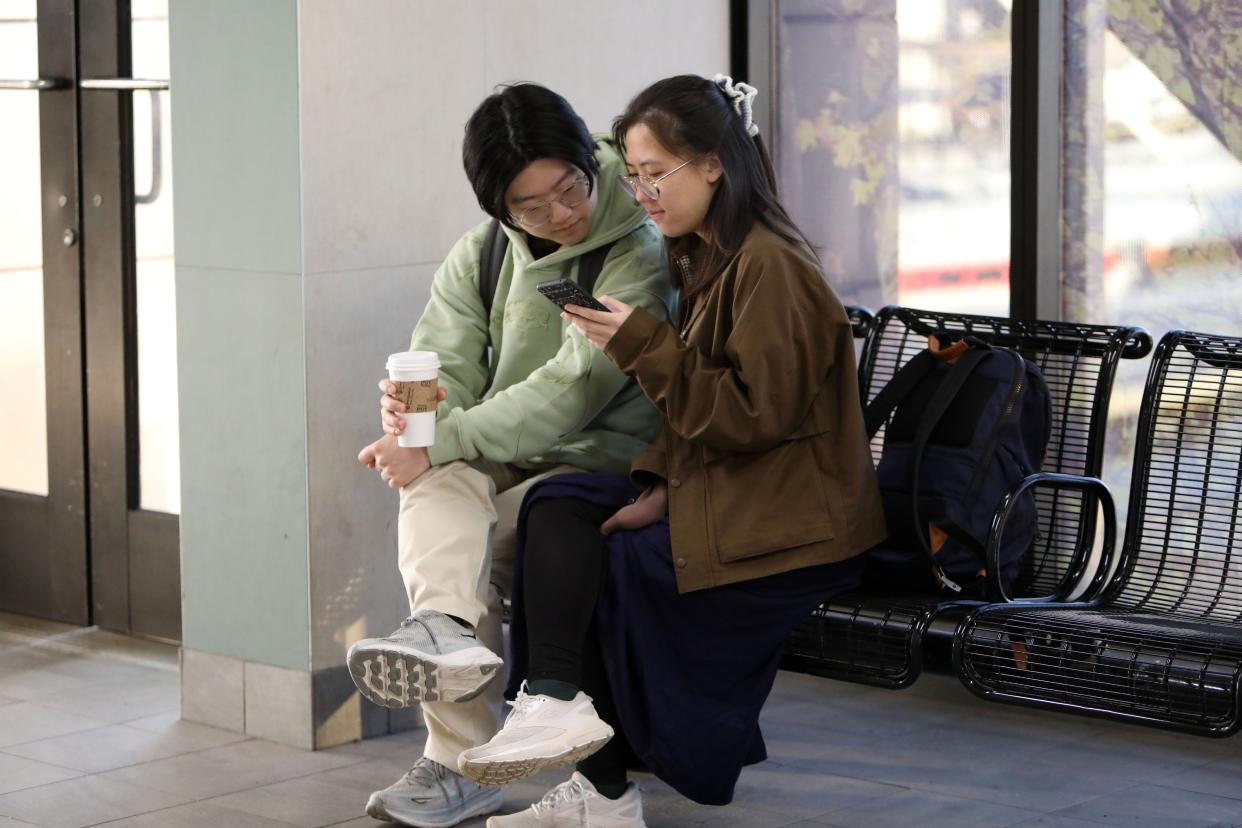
x=692, y=116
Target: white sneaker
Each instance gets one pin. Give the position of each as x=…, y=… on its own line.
x=577, y=803
x=430, y=657
x=540, y=731
x=430, y=795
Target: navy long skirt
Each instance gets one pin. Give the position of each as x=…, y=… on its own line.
x=689, y=672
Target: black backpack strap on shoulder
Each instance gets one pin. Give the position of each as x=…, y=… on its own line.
x=898, y=388
x=491, y=259
x=590, y=264
x=937, y=406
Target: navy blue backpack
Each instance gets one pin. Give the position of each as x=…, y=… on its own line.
x=969, y=422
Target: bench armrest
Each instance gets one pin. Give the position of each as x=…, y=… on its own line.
x=862, y=320
x=996, y=590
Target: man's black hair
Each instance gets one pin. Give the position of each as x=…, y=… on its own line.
x=515, y=125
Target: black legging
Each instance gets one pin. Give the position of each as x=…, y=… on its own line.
x=562, y=565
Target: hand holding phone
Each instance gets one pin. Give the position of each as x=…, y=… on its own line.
x=564, y=292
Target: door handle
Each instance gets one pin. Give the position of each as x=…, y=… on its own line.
x=157, y=152
x=123, y=84
x=152, y=86
x=38, y=84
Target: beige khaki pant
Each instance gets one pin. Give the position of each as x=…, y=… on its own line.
x=456, y=541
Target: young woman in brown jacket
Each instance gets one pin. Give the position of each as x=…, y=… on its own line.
x=662, y=621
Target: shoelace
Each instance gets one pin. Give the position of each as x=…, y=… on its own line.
x=427, y=772
x=411, y=621
x=563, y=794
x=523, y=704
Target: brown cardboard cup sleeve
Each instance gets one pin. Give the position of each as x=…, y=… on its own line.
x=419, y=396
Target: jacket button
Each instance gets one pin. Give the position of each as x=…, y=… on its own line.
x=674, y=482
x=681, y=563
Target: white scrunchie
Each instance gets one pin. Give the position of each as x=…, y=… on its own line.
x=743, y=97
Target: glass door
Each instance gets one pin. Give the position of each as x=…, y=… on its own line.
x=43, y=498
x=130, y=316
x=89, y=476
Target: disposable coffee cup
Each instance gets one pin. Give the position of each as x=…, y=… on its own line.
x=414, y=373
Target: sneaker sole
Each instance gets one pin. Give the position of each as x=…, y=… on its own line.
x=396, y=678
x=505, y=771
x=493, y=801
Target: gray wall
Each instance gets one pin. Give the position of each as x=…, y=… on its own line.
x=317, y=154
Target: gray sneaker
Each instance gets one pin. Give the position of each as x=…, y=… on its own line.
x=432, y=796
x=430, y=657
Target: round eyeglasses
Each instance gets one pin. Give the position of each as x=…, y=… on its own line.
x=645, y=184
x=570, y=197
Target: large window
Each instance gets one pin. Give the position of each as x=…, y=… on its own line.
x=1152, y=128
x=892, y=145
x=891, y=134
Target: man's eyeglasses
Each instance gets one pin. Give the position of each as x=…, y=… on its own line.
x=645, y=184
x=570, y=197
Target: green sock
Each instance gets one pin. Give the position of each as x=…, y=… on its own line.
x=612, y=790
x=562, y=690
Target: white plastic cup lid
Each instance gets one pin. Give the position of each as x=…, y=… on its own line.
x=413, y=361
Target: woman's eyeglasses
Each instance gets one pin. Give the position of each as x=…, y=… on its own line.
x=645, y=184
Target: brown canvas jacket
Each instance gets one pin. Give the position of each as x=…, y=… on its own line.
x=764, y=448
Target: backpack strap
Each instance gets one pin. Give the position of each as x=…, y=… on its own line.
x=492, y=258
x=590, y=264
x=897, y=389
x=937, y=406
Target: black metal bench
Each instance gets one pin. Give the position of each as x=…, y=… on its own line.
x=1162, y=645
x=885, y=640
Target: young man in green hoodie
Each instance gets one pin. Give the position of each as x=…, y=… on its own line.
x=523, y=396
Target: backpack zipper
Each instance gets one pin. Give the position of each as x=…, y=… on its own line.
x=1013, y=397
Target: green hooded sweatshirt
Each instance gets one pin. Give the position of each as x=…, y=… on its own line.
x=553, y=397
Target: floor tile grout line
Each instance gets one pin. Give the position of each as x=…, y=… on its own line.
x=7, y=748
x=124, y=767
x=5, y=752
x=928, y=788
x=127, y=723
x=1031, y=813
x=208, y=799
x=932, y=789
x=1172, y=787
x=118, y=723
x=1124, y=790
x=45, y=703
x=62, y=643
x=193, y=801
x=1131, y=783
x=184, y=804
x=211, y=800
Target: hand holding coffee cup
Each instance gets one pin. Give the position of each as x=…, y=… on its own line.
x=391, y=407
x=411, y=395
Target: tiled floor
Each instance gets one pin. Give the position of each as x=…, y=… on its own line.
x=89, y=735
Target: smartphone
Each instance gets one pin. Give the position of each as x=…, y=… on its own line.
x=563, y=292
